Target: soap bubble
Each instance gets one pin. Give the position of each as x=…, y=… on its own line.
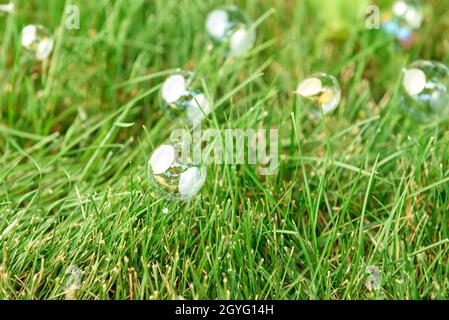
x=36, y=39
x=406, y=18
x=425, y=90
x=8, y=7
x=321, y=91
x=183, y=95
x=173, y=173
x=231, y=27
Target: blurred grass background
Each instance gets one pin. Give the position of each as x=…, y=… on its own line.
x=367, y=186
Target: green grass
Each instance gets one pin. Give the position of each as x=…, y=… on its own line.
x=367, y=186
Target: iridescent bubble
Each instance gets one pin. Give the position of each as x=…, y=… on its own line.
x=425, y=90
x=173, y=173
x=36, y=39
x=183, y=95
x=8, y=7
x=232, y=28
x=321, y=93
x=406, y=18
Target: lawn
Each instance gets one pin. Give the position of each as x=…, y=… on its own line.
x=365, y=187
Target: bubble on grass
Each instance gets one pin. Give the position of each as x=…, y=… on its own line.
x=36, y=39
x=173, y=173
x=165, y=211
x=425, y=90
x=406, y=18
x=7, y=7
x=232, y=28
x=321, y=93
x=373, y=280
x=183, y=95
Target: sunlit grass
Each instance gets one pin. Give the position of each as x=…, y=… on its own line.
x=366, y=186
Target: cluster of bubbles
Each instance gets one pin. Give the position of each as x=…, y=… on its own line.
x=185, y=96
x=424, y=93
x=424, y=89
x=406, y=18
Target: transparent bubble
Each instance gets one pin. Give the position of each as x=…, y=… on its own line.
x=425, y=90
x=173, y=173
x=183, y=95
x=230, y=27
x=7, y=7
x=373, y=281
x=36, y=39
x=407, y=17
x=321, y=93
